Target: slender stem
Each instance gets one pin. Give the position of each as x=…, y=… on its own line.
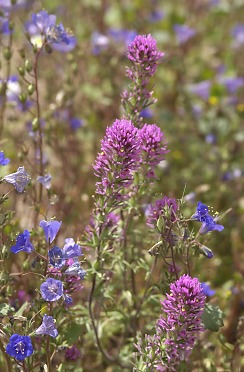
x=6, y=357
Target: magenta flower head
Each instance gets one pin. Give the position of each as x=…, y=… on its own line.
x=143, y=51
x=47, y=327
x=165, y=208
x=119, y=157
x=153, y=146
x=22, y=243
x=19, y=179
x=50, y=229
x=3, y=160
x=183, y=309
x=19, y=347
x=51, y=290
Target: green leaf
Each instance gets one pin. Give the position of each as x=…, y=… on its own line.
x=72, y=333
x=212, y=318
x=21, y=310
x=5, y=309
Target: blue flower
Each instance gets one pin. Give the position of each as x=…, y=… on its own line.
x=8, y=5
x=51, y=290
x=51, y=229
x=76, y=270
x=201, y=89
x=3, y=160
x=201, y=212
x=206, y=251
x=70, y=249
x=4, y=25
x=183, y=33
x=207, y=290
x=19, y=179
x=209, y=225
x=47, y=327
x=68, y=300
x=43, y=29
x=19, y=347
x=56, y=257
x=22, y=243
x=45, y=180
x=76, y=123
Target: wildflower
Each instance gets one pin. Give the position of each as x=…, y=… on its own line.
x=99, y=42
x=68, y=300
x=45, y=180
x=8, y=5
x=47, y=327
x=3, y=160
x=201, y=89
x=232, y=84
x=4, y=24
x=165, y=208
x=201, y=212
x=146, y=113
x=183, y=33
x=56, y=257
x=238, y=35
x=153, y=146
x=19, y=347
x=19, y=179
x=183, y=308
x=22, y=243
x=206, y=251
x=50, y=229
x=207, y=290
x=70, y=249
x=122, y=36
x=51, y=290
x=208, y=222
x=76, y=270
x=143, y=51
x=72, y=353
x=119, y=157
x=76, y=123
x=43, y=30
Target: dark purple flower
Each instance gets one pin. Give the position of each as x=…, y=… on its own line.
x=51, y=290
x=181, y=323
x=19, y=347
x=183, y=33
x=47, y=327
x=143, y=51
x=19, y=179
x=71, y=249
x=43, y=29
x=3, y=160
x=72, y=353
x=153, y=145
x=119, y=157
x=207, y=290
x=45, y=180
x=22, y=243
x=56, y=257
x=50, y=229
x=165, y=208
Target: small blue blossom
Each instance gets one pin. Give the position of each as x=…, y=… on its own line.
x=47, y=327
x=68, y=300
x=51, y=290
x=209, y=225
x=3, y=160
x=50, y=229
x=201, y=89
x=19, y=179
x=76, y=270
x=206, y=251
x=4, y=25
x=207, y=290
x=45, y=180
x=8, y=5
x=76, y=123
x=19, y=347
x=56, y=257
x=183, y=33
x=71, y=249
x=201, y=212
x=146, y=113
x=22, y=243
x=43, y=29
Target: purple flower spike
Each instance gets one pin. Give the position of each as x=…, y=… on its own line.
x=3, y=160
x=19, y=179
x=56, y=257
x=143, y=51
x=19, y=347
x=159, y=209
x=47, y=327
x=70, y=249
x=183, y=308
x=51, y=290
x=51, y=229
x=22, y=243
